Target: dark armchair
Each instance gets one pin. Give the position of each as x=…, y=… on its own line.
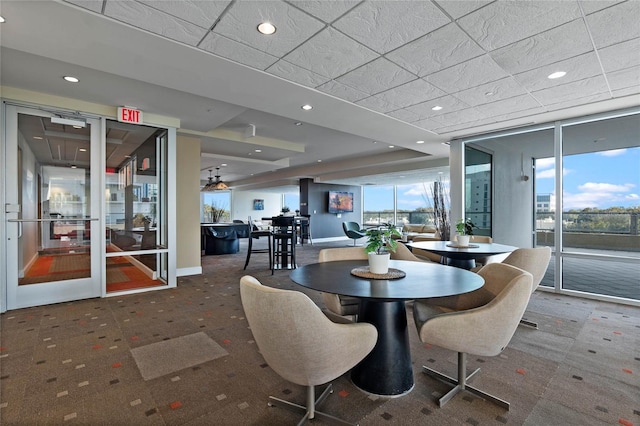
x=353, y=231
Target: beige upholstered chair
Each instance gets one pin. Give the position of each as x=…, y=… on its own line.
x=424, y=254
x=481, y=322
x=342, y=305
x=533, y=260
x=300, y=343
x=403, y=253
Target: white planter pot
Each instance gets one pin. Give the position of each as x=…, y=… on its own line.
x=379, y=263
x=463, y=240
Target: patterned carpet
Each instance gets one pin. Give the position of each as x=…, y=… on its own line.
x=73, y=363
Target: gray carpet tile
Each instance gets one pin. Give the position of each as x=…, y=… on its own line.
x=72, y=363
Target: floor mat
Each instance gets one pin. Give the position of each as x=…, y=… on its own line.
x=169, y=356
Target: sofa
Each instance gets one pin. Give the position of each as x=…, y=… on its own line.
x=412, y=230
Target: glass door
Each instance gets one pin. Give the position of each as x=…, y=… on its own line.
x=52, y=207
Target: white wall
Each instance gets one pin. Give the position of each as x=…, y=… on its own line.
x=243, y=204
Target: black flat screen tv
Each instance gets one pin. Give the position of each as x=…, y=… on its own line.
x=340, y=202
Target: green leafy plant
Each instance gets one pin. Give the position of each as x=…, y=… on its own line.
x=465, y=227
x=285, y=209
x=380, y=239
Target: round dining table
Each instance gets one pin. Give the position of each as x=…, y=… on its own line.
x=387, y=370
x=462, y=256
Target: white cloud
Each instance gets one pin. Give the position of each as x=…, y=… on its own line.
x=545, y=163
x=599, y=194
x=612, y=152
x=551, y=173
x=605, y=187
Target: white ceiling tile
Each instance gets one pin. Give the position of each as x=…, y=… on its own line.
x=440, y=49
x=94, y=5
x=461, y=116
x=376, y=23
x=411, y=93
x=474, y=72
x=293, y=26
x=604, y=96
x=505, y=22
x=629, y=91
x=330, y=53
x=376, y=76
x=577, y=68
x=491, y=92
x=201, y=13
x=574, y=90
x=622, y=79
x=591, y=6
x=327, y=11
x=552, y=46
x=459, y=8
x=296, y=74
x=376, y=104
x=427, y=123
x=342, y=91
x=615, y=24
x=237, y=52
x=505, y=106
x=621, y=55
x=153, y=20
x=448, y=104
x=493, y=120
x=404, y=115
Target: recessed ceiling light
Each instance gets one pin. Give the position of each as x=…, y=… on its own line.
x=71, y=79
x=419, y=141
x=298, y=124
x=391, y=146
x=223, y=165
x=306, y=107
x=489, y=94
x=83, y=150
x=1, y=19
x=437, y=108
x=557, y=74
x=266, y=28
x=38, y=137
x=258, y=150
x=319, y=161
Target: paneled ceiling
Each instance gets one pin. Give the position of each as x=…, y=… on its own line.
x=375, y=73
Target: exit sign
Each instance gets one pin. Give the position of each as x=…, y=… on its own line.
x=129, y=115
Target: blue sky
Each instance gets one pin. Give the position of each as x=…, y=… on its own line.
x=598, y=180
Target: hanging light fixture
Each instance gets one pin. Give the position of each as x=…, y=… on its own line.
x=218, y=185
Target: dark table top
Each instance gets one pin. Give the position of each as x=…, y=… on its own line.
x=423, y=280
x=475, y=250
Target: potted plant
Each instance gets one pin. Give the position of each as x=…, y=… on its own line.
x=465, y=231
x=378, y=246
x=285, y=210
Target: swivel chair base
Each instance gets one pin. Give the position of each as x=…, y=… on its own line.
x=310, y=410
x=461, y=384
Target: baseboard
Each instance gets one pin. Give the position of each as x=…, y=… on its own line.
x=194, y=270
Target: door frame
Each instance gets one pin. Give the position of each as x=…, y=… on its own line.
x=16, y=296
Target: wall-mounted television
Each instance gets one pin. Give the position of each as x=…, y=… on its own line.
x=340, y=202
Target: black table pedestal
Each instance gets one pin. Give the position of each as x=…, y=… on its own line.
x=467, y=264
x=387, y=370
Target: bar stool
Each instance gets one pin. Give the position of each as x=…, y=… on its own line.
x=305, y=229
x=284, y=243
x=256, y=233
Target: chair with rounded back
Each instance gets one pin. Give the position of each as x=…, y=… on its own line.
x=403, y=253
x=481, y=322
x=300, y=343
x=353, y=231
x=533, y=260
x=424, y=254
x=336, y=304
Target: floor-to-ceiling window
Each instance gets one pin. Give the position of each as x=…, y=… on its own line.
x=379, y=205
x=573, y=186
